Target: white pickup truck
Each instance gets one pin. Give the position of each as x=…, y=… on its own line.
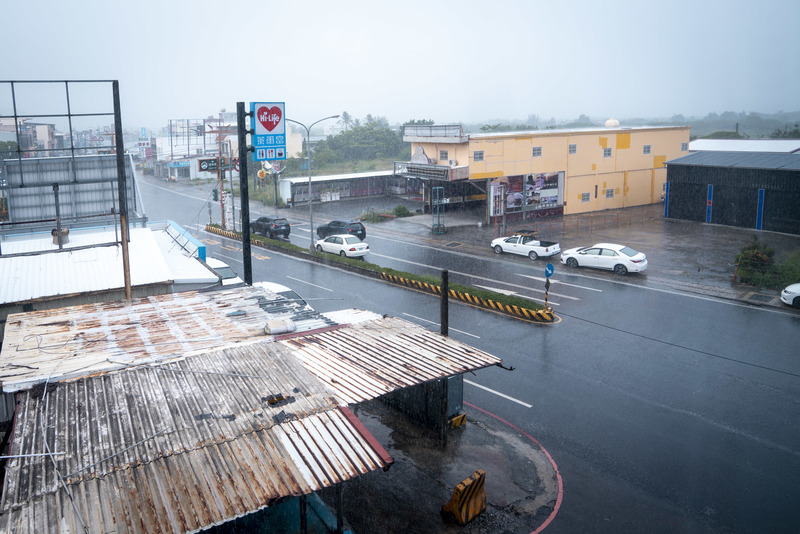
x=525, y=244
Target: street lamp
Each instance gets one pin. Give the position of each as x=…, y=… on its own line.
x=308, y=146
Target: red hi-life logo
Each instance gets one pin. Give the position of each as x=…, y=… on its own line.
x=269, y=117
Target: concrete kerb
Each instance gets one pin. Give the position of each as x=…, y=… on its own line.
x=539, y=316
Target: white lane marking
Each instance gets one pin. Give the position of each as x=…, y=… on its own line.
x=308, y=283
x=437, y=324
x=512, y=399
x=554, y=281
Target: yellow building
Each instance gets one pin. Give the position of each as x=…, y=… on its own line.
x=545, y=172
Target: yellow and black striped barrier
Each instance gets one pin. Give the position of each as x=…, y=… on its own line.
x=469, y=499
x=541, y=316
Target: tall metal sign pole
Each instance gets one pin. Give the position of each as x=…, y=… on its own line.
x=122, y=190
x=244, y=192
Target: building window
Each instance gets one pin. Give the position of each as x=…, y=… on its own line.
x=609, y=193
x=537, y=152
x=606, y=152
x=684, y=147
x=585, y=197
x=443, y=155
x=646, y=149
x=573, y=149
x=477, y=155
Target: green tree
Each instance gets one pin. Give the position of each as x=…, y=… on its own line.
x=346, y=120
x=787, y=133
x=362, y=143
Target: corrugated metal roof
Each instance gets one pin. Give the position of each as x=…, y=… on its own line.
x=351, y=316
x=746, y=145
x=372, y=358
x=748, y=160
x=94, y=338
x=155, y=428
x=70, y=271
x=178, y=446
x=602, y=130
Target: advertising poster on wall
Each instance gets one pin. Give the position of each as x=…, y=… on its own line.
x=529, y=191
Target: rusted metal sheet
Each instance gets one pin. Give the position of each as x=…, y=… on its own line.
x=178, y=446
x=94, y=338
x=369, y=359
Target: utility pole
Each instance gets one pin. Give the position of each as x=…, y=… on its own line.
x=222, y=131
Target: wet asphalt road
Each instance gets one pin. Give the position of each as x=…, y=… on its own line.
x=665, y=411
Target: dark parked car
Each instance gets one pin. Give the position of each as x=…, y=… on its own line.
x=342, y=227
x=271, y=226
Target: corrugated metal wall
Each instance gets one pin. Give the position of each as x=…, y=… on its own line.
x=735, y=196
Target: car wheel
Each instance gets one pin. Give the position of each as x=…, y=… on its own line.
x=319, y=248
x=498, y=249
x=620, y=270
x=796, y=302
x=572, y=262
x=533, y=255
x=342, y=254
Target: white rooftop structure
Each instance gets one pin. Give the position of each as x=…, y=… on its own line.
x=745, y=145
x=33, y=268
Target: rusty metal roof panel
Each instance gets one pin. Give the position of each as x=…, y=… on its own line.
x=81, y=340
x=371, y=358
x=178, y=446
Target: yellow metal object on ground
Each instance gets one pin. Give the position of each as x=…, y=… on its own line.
x=468, y=500
x=457, y=420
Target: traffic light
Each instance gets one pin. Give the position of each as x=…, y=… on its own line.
x=215, y=194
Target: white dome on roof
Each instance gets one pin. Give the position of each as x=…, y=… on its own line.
x=612, y=123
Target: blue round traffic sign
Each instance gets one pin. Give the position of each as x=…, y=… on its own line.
x=548, y=270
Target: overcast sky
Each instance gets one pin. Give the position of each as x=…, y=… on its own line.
x=450, y=61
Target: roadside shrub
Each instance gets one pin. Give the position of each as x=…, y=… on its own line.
x=756, y=265
x=401, y=211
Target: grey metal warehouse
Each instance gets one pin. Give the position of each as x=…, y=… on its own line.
x=758, y=190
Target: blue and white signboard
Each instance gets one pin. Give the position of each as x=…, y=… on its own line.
x=269, y=130
x=548, y=270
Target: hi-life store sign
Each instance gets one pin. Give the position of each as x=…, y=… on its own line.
x=269, y=130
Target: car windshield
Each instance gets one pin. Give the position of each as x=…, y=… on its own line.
x=351, y=240
x=628, y=251
x=279, y=221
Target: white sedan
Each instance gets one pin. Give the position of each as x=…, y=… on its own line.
x=791, y=295
x=344, y=245
x=617, y=258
